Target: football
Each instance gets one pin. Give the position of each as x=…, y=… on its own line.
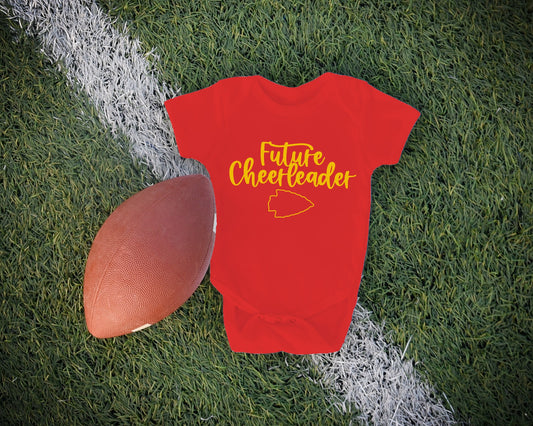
x=149, y=256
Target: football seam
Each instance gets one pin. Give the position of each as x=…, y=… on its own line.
x=97, y=291
x=123, y=241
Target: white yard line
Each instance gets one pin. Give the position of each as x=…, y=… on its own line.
x=374, y=376
x=121, y=81
x=116, y=74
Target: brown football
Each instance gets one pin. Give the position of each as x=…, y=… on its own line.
x=149, y=256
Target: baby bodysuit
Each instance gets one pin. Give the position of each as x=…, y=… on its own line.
x=291, y=170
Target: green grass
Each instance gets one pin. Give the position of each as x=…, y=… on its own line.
x=61, y=175
x=450, y=249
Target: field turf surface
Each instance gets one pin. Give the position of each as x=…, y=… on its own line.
x=450, y=254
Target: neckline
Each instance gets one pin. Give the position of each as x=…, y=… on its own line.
x=286, y=99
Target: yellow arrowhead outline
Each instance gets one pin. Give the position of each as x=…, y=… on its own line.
x=311, y=204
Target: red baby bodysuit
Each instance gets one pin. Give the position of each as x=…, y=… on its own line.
x=291, y=170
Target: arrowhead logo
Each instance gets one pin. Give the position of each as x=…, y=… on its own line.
x=286, y=203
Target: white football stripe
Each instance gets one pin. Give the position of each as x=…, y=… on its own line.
x=142, y=327
x=110, y=67
x=113, y=70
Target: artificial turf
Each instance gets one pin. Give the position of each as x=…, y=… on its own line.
x=450, y=248
x=61, y=175
x=449, y=264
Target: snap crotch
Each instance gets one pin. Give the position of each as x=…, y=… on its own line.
x=254, y=331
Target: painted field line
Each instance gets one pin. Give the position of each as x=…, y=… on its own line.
x=114, y=71
x=368, y=373
x=374, y=376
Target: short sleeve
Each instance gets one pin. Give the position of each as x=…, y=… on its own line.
x=387, y=125
x=196, y=118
